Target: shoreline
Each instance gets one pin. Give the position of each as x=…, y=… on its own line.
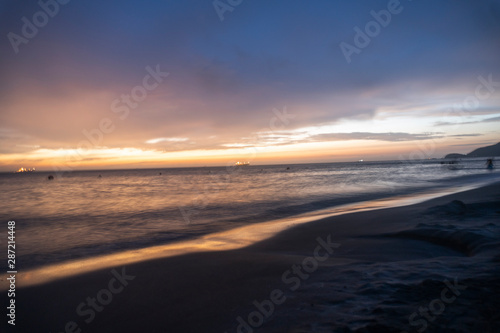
x=209, y=291
x=231, y=239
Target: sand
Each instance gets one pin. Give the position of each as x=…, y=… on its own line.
x=370, y=271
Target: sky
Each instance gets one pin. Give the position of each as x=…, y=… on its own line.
x=129, y=84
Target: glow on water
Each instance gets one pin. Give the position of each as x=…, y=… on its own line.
x=226, y=240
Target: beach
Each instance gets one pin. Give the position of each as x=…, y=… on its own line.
x=241, y=166
x=432, y=267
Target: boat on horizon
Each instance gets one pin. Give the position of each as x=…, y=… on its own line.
x=242, y=163
x=25, y=170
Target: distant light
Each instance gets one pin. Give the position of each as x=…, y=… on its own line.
x=25, y=170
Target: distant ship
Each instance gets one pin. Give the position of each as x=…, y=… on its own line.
x=241, y=164
x=26, y=170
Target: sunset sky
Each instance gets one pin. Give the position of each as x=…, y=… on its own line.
x=127, y=84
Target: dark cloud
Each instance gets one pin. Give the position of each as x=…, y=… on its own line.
x=464, y=135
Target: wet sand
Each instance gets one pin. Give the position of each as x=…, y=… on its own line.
x=359, y=272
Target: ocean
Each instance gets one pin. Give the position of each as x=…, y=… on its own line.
x=81, y=214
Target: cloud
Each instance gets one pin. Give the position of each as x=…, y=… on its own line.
x=227, y=77
x=296, y=137
x=158, y=140
x=392, y=137
x=477, y=145
x=464, y=135
x=487, y=120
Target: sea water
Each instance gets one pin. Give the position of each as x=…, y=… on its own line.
x=81, y=214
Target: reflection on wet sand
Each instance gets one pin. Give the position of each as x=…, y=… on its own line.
x=226, y=240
